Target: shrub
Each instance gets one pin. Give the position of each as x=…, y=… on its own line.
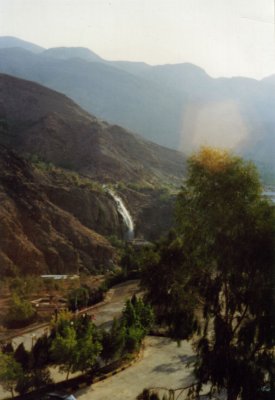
x=20, y=313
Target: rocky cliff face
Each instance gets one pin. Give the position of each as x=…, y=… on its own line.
x=82, y=197
x=55, y=215
x=37, y=235
x=152, y=210
x=54, y=221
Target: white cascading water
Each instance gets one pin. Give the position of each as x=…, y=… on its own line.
x=127, y=219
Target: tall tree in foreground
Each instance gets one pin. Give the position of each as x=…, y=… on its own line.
x=215, y=276
x=169, y=278
x=228, y=231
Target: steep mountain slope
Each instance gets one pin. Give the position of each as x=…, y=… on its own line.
x=178, y=106
x=102, y=89
x=50, y=211
x=52, y=220
x=36, y=120
x=38, y=236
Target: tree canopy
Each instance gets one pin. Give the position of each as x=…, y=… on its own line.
x=10, y=372
x=76, y=345
x=20, y=313
x=226, y=232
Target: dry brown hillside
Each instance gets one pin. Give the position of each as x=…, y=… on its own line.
x=36, y=235
x=37, y=120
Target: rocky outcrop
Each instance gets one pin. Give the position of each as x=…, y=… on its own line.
x=54, y=217
x=36, y=234
x=152, y=210
x=84, y=199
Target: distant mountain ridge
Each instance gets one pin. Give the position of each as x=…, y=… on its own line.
x=178, y=106
x=106, y=91
x=10, y=41
x=66, y=53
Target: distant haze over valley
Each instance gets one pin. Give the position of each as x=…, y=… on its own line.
x=225, y=38
x=177, y=106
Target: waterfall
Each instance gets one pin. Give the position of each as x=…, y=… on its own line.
x=127, y=219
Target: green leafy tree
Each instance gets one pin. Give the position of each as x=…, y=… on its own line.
x=20, y=313
x=63, y=349
x=33, y=380
x=76, y=343
x=7, y=348
x=10, y=372
x=63, y=342
x=22, y=356
x=78, y=298
x=143, y=313
x=129, y=259
x=40, y=353
x=214, y=276
x=18, y=286
x=134, y=336
x=34, y=365
x=63, y=319
x=137, y=318
x=168, y=277
x=228, y=232
x=113, y=342
x=108, y=346
x=87, y=350
x=129, y=314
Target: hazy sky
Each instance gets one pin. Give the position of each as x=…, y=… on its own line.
x=225, y=37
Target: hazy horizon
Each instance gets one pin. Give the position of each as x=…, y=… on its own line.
x=225, y=40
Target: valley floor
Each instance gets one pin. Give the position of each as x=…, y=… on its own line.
x=162, y=364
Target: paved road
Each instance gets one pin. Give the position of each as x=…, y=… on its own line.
x=29, y=338
x=118, y=295
x=163, y=364
x=104, y=314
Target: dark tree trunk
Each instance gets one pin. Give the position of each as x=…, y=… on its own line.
x=232, y=394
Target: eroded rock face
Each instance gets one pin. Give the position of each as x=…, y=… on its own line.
x=93, y=209
x=50, y=222
x=152, y=210
x=37, y=235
